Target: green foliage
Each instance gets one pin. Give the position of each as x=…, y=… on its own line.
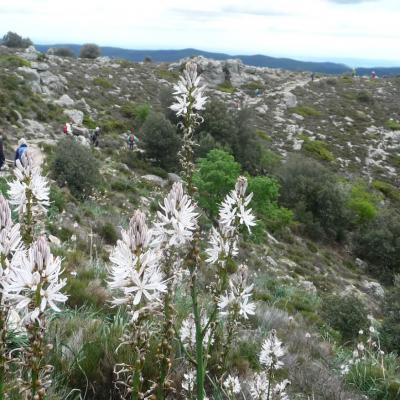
x=13, y=61
x=226, y=87
x=103, y=82
x=3, y=186
x=113, y=125
x=393, y=125
x=346, y=314
x=160, y=141
x=363, y=203
x=319, y=150
x=12, y=39
x=215, y=177
x=88, y=122
x=317, y=199
x=253, y=85
x=391, y=322
x=108, y=232
x=141, y=113
x=170, y=76
x=306, y=111
x=90, y=50
x=75, y=166
x=365, y=97
x=63, y=52
x=378, y=242
x=390, y=191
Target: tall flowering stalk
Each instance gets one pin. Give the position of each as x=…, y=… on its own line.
x=136, y=277
x=29, y=193
x=33, y=286
x=10, y=242
x=174, y=228
x=271, y=355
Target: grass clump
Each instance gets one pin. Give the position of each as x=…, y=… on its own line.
x=393, y=125
x=307, y=111
x=226, y=87
x=13, y=61
x=390, y=191
x=319, y=150
x=103, y=82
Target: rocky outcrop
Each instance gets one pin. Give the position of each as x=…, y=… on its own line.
x=76, y=116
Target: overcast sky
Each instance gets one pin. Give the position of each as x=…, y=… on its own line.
x=327, y=29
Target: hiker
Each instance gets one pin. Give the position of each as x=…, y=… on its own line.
x=312, y=77
x=2, y=157
x=22, y=148
x=67, y=128
x=373, y=75
x=132, y=140
x=354, y=73
x=95, y=137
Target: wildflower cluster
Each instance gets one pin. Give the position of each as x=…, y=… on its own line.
x=368, y=350
x=30, y=275
x=261, y=386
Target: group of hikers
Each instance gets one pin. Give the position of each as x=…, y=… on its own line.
x=94, y=136
x=21, y=149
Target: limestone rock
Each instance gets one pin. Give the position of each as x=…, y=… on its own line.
x=373, y=289
x=174, y=177
x=155, y=180
x=65, y=101
x=75, y=115
x=29, y=73
x=290, y=100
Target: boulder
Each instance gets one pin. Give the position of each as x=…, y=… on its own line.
x=64, y=101
x=290, y=100
x=373, y=289
x=29, y=74
x=75, y=115
x=262, y=109
x=53, y=82
x=31, y=126
x=308, y=287
x=80, y=131
x=40, y=66
x=155, y=180
x=31, y=53
x=174, y=178
x=83, y=141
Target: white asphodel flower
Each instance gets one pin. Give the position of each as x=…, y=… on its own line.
x=272, y=352
x=189, y=381
x=29, y=186
x=188, y=93
x=280, y=390
x=259, y=386
x=237, y=299
x=233, y=213
x=135, y=273
x=33, y=283
x=177, y=220
x=232, y=385
x=187, y=332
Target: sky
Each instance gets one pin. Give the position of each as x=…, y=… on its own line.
x=305, y=29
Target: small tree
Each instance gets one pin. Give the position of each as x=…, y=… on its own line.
x=75, y=166
x=216, y=175
x=12, y=39
x=161, y=141
x=90, y=50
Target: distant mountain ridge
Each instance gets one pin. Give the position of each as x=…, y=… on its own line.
x=257, y=60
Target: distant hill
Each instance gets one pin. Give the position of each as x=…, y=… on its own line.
x=257, y=60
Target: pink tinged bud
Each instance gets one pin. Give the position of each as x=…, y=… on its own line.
x=241, y=186
x=138, y=231
x=5, y=213
x=41, y=251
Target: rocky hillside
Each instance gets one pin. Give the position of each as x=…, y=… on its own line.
x=352, y=125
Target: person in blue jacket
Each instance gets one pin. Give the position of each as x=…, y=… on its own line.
x=22, y=148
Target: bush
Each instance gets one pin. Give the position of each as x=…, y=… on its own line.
x=379, y=242
x=393, y=125
x=215, y=177
x=319, y=150
x=108, y=232
x=75, y=166
x=161, y=141
x=89, y=50
x=345, y=314
x=318, y=200
x=391, y=322
x=102, y=82
x=363, y=203
x=365, y=97
x=307, y=111
x=12, y=39
x=62, y=52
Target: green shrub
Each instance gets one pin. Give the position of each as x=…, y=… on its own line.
x=378, y=242
x=88, y=122
x=63, y=52
x=393, y=125
x=390, y=191
x=319, y=150
x=215, y=177
x=108, y=232
x=345, y=314
x=75, y=166
x=142, y=111
x=316, y=197
x=90, y=50
x=307, y=111
x=161, y=141
x=363, y=203
x=13, y=61
x=170, y=76
x=365, y=97
x=226, y=87
x=12, y=39
x=103, y=82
